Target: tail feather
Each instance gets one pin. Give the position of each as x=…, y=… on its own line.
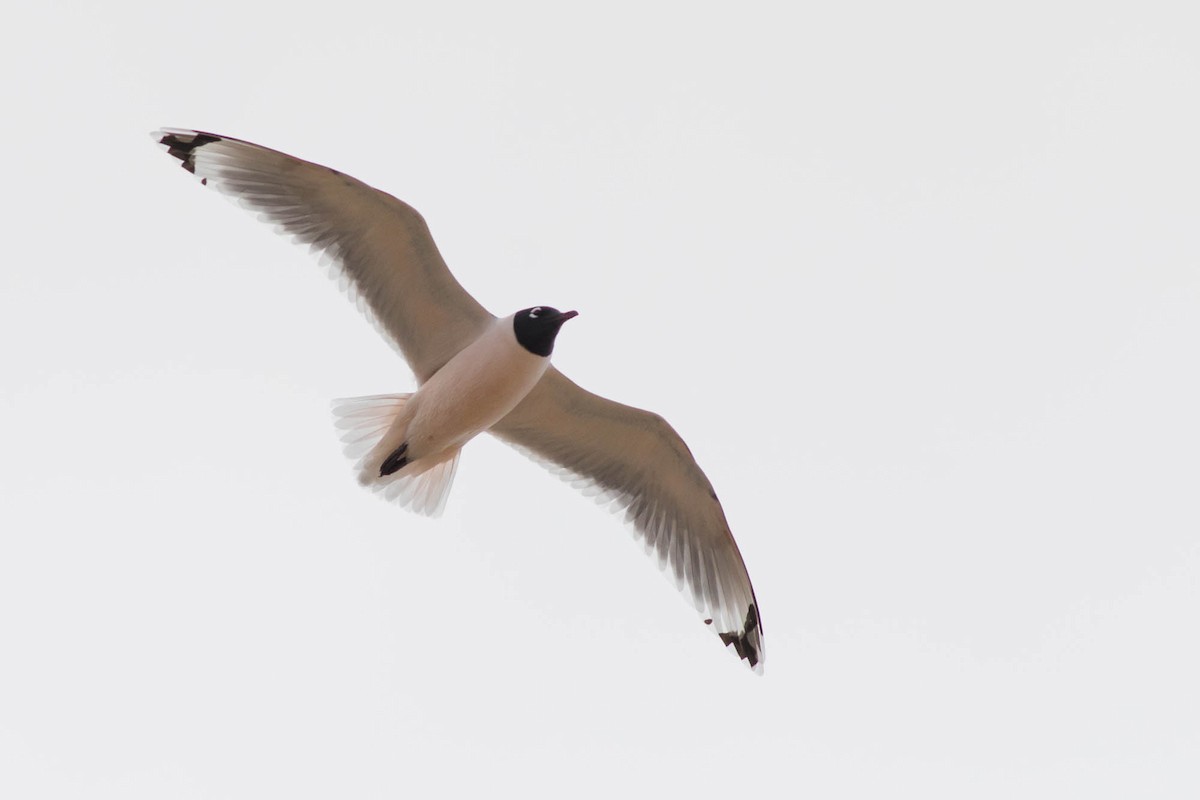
x=371, y=429
x=424, y=492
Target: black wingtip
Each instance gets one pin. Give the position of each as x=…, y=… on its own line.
x=745, y=641
x=181, y=145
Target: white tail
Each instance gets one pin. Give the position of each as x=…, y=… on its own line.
x=371, y=428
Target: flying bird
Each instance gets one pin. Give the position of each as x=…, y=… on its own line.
x=478, y=373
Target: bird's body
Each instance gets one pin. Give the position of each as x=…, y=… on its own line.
x=478, y=373
x=425, y=430
x=475, y=390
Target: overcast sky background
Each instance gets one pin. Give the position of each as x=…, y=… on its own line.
x=918, y=283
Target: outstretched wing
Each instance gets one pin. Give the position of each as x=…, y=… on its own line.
x=635, y=458
x=379, y=246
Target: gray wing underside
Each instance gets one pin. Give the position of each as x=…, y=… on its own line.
x=637, y=462
x=379, y=247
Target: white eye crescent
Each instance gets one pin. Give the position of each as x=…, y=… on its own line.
x=534, y=313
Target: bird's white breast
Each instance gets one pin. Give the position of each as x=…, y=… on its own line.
x=473, y=391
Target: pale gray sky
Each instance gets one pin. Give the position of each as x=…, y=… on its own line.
x=919, y=284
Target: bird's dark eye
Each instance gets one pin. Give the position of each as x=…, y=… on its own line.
x=534, y=313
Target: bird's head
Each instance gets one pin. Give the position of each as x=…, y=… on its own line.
x=536, y=328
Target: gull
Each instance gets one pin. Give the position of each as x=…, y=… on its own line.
x=477, y=372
